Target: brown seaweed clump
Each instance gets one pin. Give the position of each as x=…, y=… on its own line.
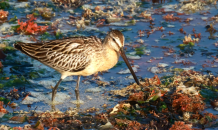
x=70, y=3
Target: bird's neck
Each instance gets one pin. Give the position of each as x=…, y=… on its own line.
x=110, y=56
x=109, y=49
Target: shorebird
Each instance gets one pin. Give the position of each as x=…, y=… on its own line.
x=82, y=56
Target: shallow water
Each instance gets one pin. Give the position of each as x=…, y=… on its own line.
x=96, y=99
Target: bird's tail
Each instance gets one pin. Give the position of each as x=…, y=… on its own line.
x=23, y=47
x=18, y=45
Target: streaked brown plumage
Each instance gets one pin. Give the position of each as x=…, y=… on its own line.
x=78, y=55
x=65, y=54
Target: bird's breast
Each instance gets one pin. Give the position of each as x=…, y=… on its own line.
x=109, y=60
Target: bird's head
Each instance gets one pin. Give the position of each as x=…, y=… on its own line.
x=115, y=39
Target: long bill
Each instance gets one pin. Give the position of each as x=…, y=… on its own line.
x=129, y=66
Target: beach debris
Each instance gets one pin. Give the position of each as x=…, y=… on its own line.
x=162, y=65
x=154, y=70
x=17, y=119
x=119, y=106
x=127, y=71
x=93, y=90
x=188, y=39
x=187, y=90
x=80, y=24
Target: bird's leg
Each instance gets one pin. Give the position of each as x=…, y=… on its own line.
x=77, y=88
x=53, y=107
x=54, y=90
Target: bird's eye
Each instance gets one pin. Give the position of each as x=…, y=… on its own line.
x=114, y=40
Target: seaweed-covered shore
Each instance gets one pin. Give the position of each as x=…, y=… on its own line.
x=171, y=45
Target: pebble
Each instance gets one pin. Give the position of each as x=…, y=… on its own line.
x=154, y=70
x=88, y=97
x=162, y=65
x=170, y=26
x=140, y=41
x=204, y=18
x=133, y=57
x=93, y=90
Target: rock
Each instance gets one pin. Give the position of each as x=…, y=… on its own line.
x=130, y=77
x=162, y=65
x=70, y=11
x=22, y=5
x=127, y=71
x=147, y=52
x=91, y=28
x=157, y=58
x=170, y=26
x=102, y=83
x=190, y=68
x=156, y=40
x=107, y=126
x=88, y=97
x=112, y=20
x=133, y=57
x=177, y=61
x=140, y=41
x=154, y=70
x=204, y=18
x=119, y=24
x=93, y=90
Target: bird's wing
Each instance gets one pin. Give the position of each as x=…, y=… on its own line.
x=71, y=54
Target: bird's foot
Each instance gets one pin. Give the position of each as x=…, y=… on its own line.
x=77, y=102
x=53, y=94
x=53, y=108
